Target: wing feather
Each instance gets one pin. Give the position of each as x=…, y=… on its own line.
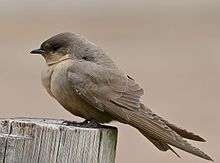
x=111, y=91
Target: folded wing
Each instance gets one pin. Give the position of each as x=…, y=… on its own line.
x=113, y=92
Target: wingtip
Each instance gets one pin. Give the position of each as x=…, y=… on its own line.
x=200, y=139
x=210, y=159
x=206, y=157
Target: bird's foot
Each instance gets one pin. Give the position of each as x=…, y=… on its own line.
x=87, y=123
x=70, y=123
x=90, y=124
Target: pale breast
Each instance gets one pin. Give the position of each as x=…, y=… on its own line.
x=56, y=82
x=62, y=91
x=45, y=78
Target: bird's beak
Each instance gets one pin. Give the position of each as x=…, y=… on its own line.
x=37, y=51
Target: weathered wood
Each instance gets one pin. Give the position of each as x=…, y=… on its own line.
x=31, y=140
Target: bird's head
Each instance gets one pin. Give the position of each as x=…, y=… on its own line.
x=56, y=47
x=74, y=46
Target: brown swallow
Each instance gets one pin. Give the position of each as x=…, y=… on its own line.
x=87, y=83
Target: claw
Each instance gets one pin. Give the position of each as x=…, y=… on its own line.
x=70, y=123
x=87, y=124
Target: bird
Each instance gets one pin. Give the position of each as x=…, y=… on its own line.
x=87, y=83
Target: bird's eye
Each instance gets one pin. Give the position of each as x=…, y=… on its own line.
x=87, y=58
x=56, y=47
x=84, y=58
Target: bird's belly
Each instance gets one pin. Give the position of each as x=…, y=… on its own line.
x=64, y=94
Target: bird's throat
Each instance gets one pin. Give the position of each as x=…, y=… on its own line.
x=54, y=59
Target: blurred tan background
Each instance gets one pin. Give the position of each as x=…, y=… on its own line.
x=170, y=47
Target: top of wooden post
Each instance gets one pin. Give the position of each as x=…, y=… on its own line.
x=24, y=140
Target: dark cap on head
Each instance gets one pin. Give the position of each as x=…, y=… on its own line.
x=74, y=45
x=62, y=40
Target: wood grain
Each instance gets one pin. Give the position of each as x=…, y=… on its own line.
x=32, y=140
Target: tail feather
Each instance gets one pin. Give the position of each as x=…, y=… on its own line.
x=182, y=132
x=153, y=127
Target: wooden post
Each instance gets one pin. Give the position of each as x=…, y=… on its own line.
x=32, y=140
